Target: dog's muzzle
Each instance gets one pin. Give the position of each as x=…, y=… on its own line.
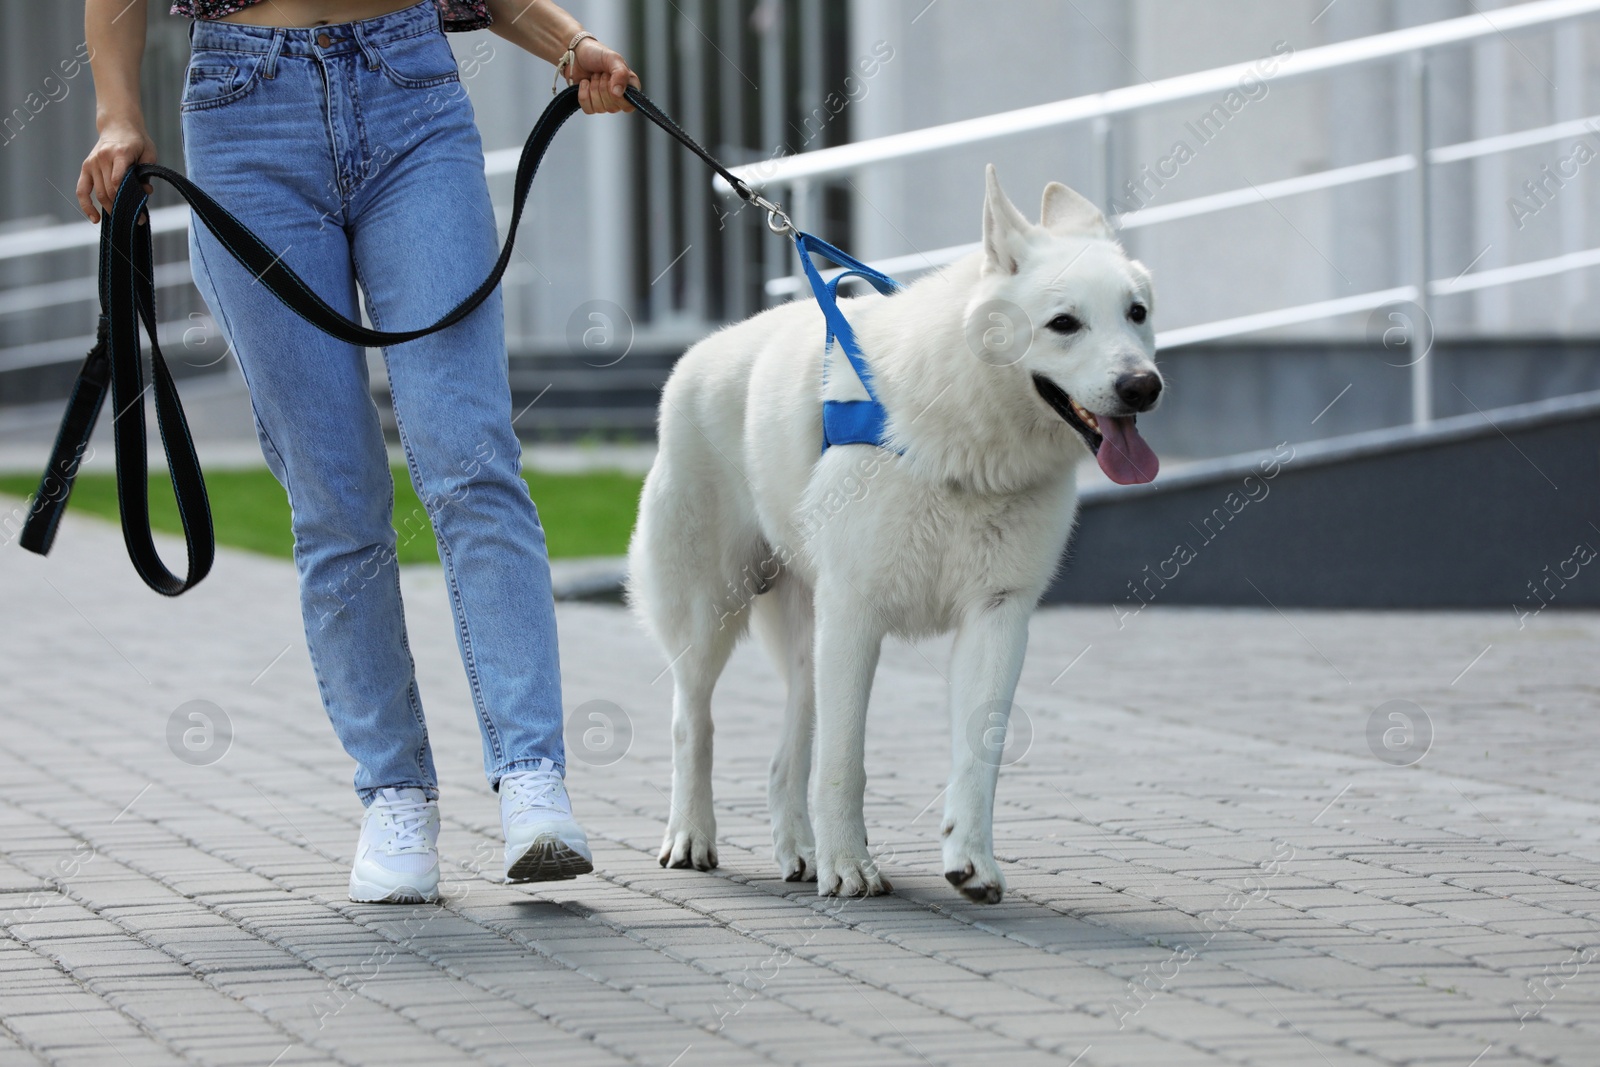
x=1072, y=413
x=1114, y=439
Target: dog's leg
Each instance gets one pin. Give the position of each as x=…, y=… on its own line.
x=691, y=837
x=691, y=575
x=984, y=666
x=848, y=640
x=784, y=620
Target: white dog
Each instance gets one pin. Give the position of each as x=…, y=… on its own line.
x=998, y=375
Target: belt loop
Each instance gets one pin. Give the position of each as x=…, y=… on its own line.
x=269, y=68
x=368, y=49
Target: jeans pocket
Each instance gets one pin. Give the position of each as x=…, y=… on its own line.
x=216, y=80
x=419, y=62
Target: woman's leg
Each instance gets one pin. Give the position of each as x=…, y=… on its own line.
x=264, y=135
x=423, y=237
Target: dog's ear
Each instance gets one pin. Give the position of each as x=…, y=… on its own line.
x=1071, y=214
x=1005, y=231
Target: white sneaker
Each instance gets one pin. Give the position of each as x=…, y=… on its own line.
x=543, y=842
x=397, y=858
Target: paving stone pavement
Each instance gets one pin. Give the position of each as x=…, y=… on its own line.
x=1207, y=862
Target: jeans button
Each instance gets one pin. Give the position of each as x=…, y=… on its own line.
x=323, y=40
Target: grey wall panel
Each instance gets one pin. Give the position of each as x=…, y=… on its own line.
x=1493, y=511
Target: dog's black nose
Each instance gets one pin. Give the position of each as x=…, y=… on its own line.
x=1139, y=391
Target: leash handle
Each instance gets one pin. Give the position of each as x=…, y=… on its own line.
x=103, y=370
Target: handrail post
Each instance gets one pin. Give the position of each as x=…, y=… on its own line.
x=1105, y=172
x=1419, y=228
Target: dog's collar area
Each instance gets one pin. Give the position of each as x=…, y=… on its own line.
x=1064, y=406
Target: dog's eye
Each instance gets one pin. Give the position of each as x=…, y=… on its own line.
x=1065, y=324
x=1138, y=312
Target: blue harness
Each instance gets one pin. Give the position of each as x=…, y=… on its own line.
x=845, y=422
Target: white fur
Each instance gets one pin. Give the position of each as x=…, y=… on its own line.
x=741, y=519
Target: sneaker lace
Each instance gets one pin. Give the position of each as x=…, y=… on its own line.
x=538, y=789
x=407, y=821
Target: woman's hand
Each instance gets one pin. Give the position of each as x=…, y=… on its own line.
x=601, y=75
x=122, y=143
x=116, y=47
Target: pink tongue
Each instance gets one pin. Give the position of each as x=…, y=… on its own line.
x=1123, y=454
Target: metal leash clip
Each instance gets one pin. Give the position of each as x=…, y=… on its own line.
x=777, y=219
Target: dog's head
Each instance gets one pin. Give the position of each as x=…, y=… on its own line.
x=1089, y=350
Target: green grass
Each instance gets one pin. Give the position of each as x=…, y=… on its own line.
x=587, y=514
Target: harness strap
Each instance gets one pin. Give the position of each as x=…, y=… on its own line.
x=845, y=422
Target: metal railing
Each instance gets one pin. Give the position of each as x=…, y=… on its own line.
x=794, y=176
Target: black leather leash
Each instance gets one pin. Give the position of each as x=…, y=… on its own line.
x=127, y=295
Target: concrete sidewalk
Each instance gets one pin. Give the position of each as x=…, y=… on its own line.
x=1215, y=854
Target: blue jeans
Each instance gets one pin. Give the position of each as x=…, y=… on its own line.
x=352, y=149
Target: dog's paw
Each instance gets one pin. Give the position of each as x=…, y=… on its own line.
x=793, y=848
x=796, y=859
x=976, y=875
x=684, y=848
x=851, y=874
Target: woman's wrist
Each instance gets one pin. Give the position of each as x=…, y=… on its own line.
x=541, y=28
x=119, y=119
x=567, y=65
x=591, y=52
x=600, y=73
x=116, y=99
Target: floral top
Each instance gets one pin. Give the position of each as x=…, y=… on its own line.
x=457, y=14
